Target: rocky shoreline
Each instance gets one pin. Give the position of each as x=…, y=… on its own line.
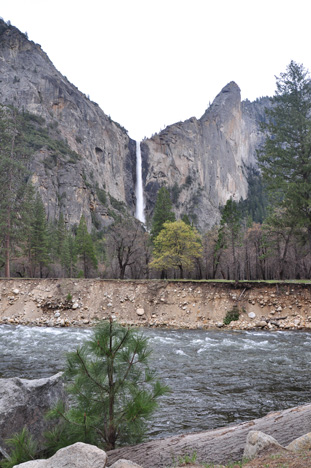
x=24, y=402
x=170, y=304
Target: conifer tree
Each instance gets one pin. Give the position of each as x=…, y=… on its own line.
x=230, y=228
x=68, y=255
x=61, y=234
x=285, y=158
x=38, y=237
x=85, y=247
x=13, y=178
x=112, y=390
x=162, y=212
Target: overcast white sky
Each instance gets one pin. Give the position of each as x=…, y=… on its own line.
x=150, y=63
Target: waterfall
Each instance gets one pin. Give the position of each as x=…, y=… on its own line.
x=139, y=214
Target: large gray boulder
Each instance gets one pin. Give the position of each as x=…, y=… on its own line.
x=25, y=402
x=78, y=455
x=302, y=443
x=257, y=442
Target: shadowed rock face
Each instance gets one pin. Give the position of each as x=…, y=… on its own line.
x=30, y=81
x=203, y=160
x=24, y=403
x=207, y=158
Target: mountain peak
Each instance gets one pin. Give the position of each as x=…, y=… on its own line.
x=229, y=97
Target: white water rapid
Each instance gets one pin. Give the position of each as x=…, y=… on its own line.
x=140, y=215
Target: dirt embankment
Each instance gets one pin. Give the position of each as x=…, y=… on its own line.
x=72, y=302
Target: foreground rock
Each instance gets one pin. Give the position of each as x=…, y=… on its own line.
x=258, y=442
x=302, y=443
x=24, y=403
x=78, y=455
x=221, y=445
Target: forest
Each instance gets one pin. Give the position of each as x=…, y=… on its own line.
x=267, y=236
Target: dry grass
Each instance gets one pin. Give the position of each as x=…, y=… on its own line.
x=282, y=459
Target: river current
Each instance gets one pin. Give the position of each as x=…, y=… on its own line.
x=216, y=377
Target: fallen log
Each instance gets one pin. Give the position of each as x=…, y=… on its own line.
x=217, y=446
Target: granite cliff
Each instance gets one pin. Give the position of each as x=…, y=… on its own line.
x=203, y=161
x=103, y=173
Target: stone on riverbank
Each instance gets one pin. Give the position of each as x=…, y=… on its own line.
x=257, y=442
x=302, y=443
x=25, y=402
x=78, y=455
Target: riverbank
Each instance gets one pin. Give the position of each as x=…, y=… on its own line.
x=172, y=304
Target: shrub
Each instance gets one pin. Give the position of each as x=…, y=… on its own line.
x=23, y=447
x=232, y=315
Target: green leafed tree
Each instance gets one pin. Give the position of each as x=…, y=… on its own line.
x=285, y=159
x=85, y=248
x=177, y=246
x=113, y=391
x=162, y=212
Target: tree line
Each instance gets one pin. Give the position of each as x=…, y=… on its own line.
x=267, y=236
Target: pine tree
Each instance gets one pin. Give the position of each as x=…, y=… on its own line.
x=85, y=247
x=112, y=390
x=230, y=229
x=13, y=183
x=61, y=234
x=162, y=212
x=39, y=257
x=68, y=255
x=285, y=159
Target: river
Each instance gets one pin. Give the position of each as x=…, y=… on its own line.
x=217, y=377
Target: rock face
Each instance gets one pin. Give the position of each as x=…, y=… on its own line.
x=24, y=403
x=204, y=162
x=78, y=455
x=106, y=155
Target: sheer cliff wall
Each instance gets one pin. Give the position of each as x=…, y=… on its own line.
x=202, y=161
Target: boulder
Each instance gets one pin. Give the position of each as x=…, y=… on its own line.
x=256, y=442
x=302, y=443
x=78, y=455
x=25, y=402
x=125, y=464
